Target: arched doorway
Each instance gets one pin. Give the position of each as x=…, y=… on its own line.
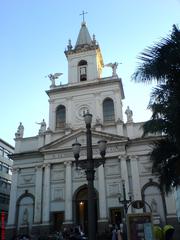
x=25, y=212
x=152, y=194
x=81, y=207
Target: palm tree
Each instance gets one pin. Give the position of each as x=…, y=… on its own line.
x=161, y=63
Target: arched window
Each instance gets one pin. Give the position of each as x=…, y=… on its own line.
x=60, y=116
x=82, y=66
x=108, y=110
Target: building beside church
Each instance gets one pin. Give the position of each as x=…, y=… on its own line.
x=5, y=177
x=48, y=193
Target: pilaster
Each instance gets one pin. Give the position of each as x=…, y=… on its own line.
x=118, y=106
x=46, y=195
x=103, y=219
x=119, y=127
x=38, y=194
x=135, y=178
x=102, y=194
x=124, y=172
x=68, y=193
x=69, y=111
x=51, y=114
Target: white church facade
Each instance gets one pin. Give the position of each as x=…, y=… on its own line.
x=47, y=192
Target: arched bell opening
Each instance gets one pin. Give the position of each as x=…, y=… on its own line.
x=82, y=66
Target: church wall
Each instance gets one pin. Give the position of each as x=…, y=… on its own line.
x=137, y=130
x=57, y=206
x=109, y=129
x=170, y=204
x=28, y=162
x=133, y=130
x=145, y=167
x=26, y=144
x=76, y=101
x=113, y=182
x=177, y=197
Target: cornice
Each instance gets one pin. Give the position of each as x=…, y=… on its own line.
x=24, y=155
x=85, y=85
x=81, y=48
x=143, y=140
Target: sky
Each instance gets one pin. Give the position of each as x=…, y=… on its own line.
x=34, y=35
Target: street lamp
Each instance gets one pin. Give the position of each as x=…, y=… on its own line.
x=125, y=203
x=89, y=166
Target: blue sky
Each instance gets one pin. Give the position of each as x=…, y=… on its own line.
x=34, y=35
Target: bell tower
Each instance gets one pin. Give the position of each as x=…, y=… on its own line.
x=86, y=90
x=85, y=61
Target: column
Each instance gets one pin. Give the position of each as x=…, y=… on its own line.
x=102, y=194
x=38, y=194
x=68, y=193
x=124, y=173
x=46, y=194
x=13, y=195
x=135, y=178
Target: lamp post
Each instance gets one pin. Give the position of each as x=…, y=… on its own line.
x=89, y=166
x=125, y=203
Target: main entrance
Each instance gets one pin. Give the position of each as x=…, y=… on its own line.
x=116, y=215
x=81, y=208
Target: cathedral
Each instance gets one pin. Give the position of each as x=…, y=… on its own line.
x=48, y=192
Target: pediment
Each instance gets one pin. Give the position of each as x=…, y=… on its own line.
x=66, y=141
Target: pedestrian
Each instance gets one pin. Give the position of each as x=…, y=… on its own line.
x=114, y=233
x=119, y=234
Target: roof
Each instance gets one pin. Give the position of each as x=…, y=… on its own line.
x=6, y=143
x=84, y=37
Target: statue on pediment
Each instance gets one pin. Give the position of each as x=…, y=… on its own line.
x=129, y=114
x=20, y=131
x=42, y=129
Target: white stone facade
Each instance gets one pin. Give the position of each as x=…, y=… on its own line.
x=46, y=184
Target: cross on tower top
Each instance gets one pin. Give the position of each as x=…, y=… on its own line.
x=83, y=13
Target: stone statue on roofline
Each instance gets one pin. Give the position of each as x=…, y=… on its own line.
x=42, y=129
x=129, y=114
x=53, y=77
x=114, y=68
x=20, y=131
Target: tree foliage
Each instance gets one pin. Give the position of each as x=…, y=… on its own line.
x=161, y=63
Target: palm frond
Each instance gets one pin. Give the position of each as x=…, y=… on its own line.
x=164, y=157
